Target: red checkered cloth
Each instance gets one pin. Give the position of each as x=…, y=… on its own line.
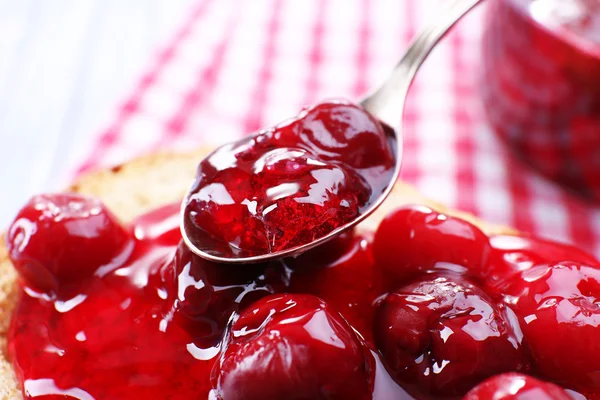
x=238, y=65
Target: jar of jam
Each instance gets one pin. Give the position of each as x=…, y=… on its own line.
x=541, y=85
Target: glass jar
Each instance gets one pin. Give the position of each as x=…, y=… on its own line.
x=541, y=85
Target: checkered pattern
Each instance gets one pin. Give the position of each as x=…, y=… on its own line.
x=237, y=65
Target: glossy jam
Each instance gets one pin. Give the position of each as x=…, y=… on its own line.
x=153, y=326
x=414, y=240
x=442, y=334
x=293, y=346
x=513, y=386
x=541, y=64
x=515, y=254
x=334, y=323
x=115, y=337
x=290, y=184
x=564, y=299
x=58, y=240
x=349, y=280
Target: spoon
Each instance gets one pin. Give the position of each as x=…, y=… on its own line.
x=386, y=103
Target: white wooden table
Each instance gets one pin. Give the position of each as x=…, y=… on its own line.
x=64, y=67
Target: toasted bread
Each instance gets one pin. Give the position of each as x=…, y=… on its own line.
x=146, y=183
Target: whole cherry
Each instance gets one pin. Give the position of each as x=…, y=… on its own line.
x=415, y=239
x=60, y=239
x=512, y=254
x=341, y=132
x=442, y=335
x=513, y=386
x=293, y=347
x=558, y=306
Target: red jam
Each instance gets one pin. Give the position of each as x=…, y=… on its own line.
x=564, y=299
x=541, y=63
x=293, y=346
x=57, y=240
x=433, y=317
x=513, y=386
x=291, y=184
x=442, y=333
x=414, y=240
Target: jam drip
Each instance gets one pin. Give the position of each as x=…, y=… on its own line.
x=291, y=184
x=433, y=317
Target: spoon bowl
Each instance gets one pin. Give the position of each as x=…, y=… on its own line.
x=386, y=104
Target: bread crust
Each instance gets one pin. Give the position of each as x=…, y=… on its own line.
x=148, y=182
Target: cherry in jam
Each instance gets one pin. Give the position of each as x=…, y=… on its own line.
x=293, y=347
x=512, y=386
x=441, y=335
x=58, y=239
x=291, y=184
x=558, y=306
x=515, y=254
x=414, y=240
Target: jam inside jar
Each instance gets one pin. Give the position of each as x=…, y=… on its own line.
x=541, y=86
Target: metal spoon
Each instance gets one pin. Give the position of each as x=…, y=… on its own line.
x=387, y=104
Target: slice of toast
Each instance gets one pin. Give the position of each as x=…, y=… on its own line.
x=146, y=183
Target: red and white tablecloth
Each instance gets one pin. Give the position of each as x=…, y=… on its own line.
x=237, y=65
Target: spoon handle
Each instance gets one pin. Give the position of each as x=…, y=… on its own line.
x=387, y=101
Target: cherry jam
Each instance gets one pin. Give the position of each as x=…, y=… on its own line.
x=541, y=64
x=516, y=387
x=162, y=323
x=433, y=317
x=291, y=184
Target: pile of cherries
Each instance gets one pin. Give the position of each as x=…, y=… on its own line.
x=426, y=307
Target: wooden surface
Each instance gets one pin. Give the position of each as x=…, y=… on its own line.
x=64, y=67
